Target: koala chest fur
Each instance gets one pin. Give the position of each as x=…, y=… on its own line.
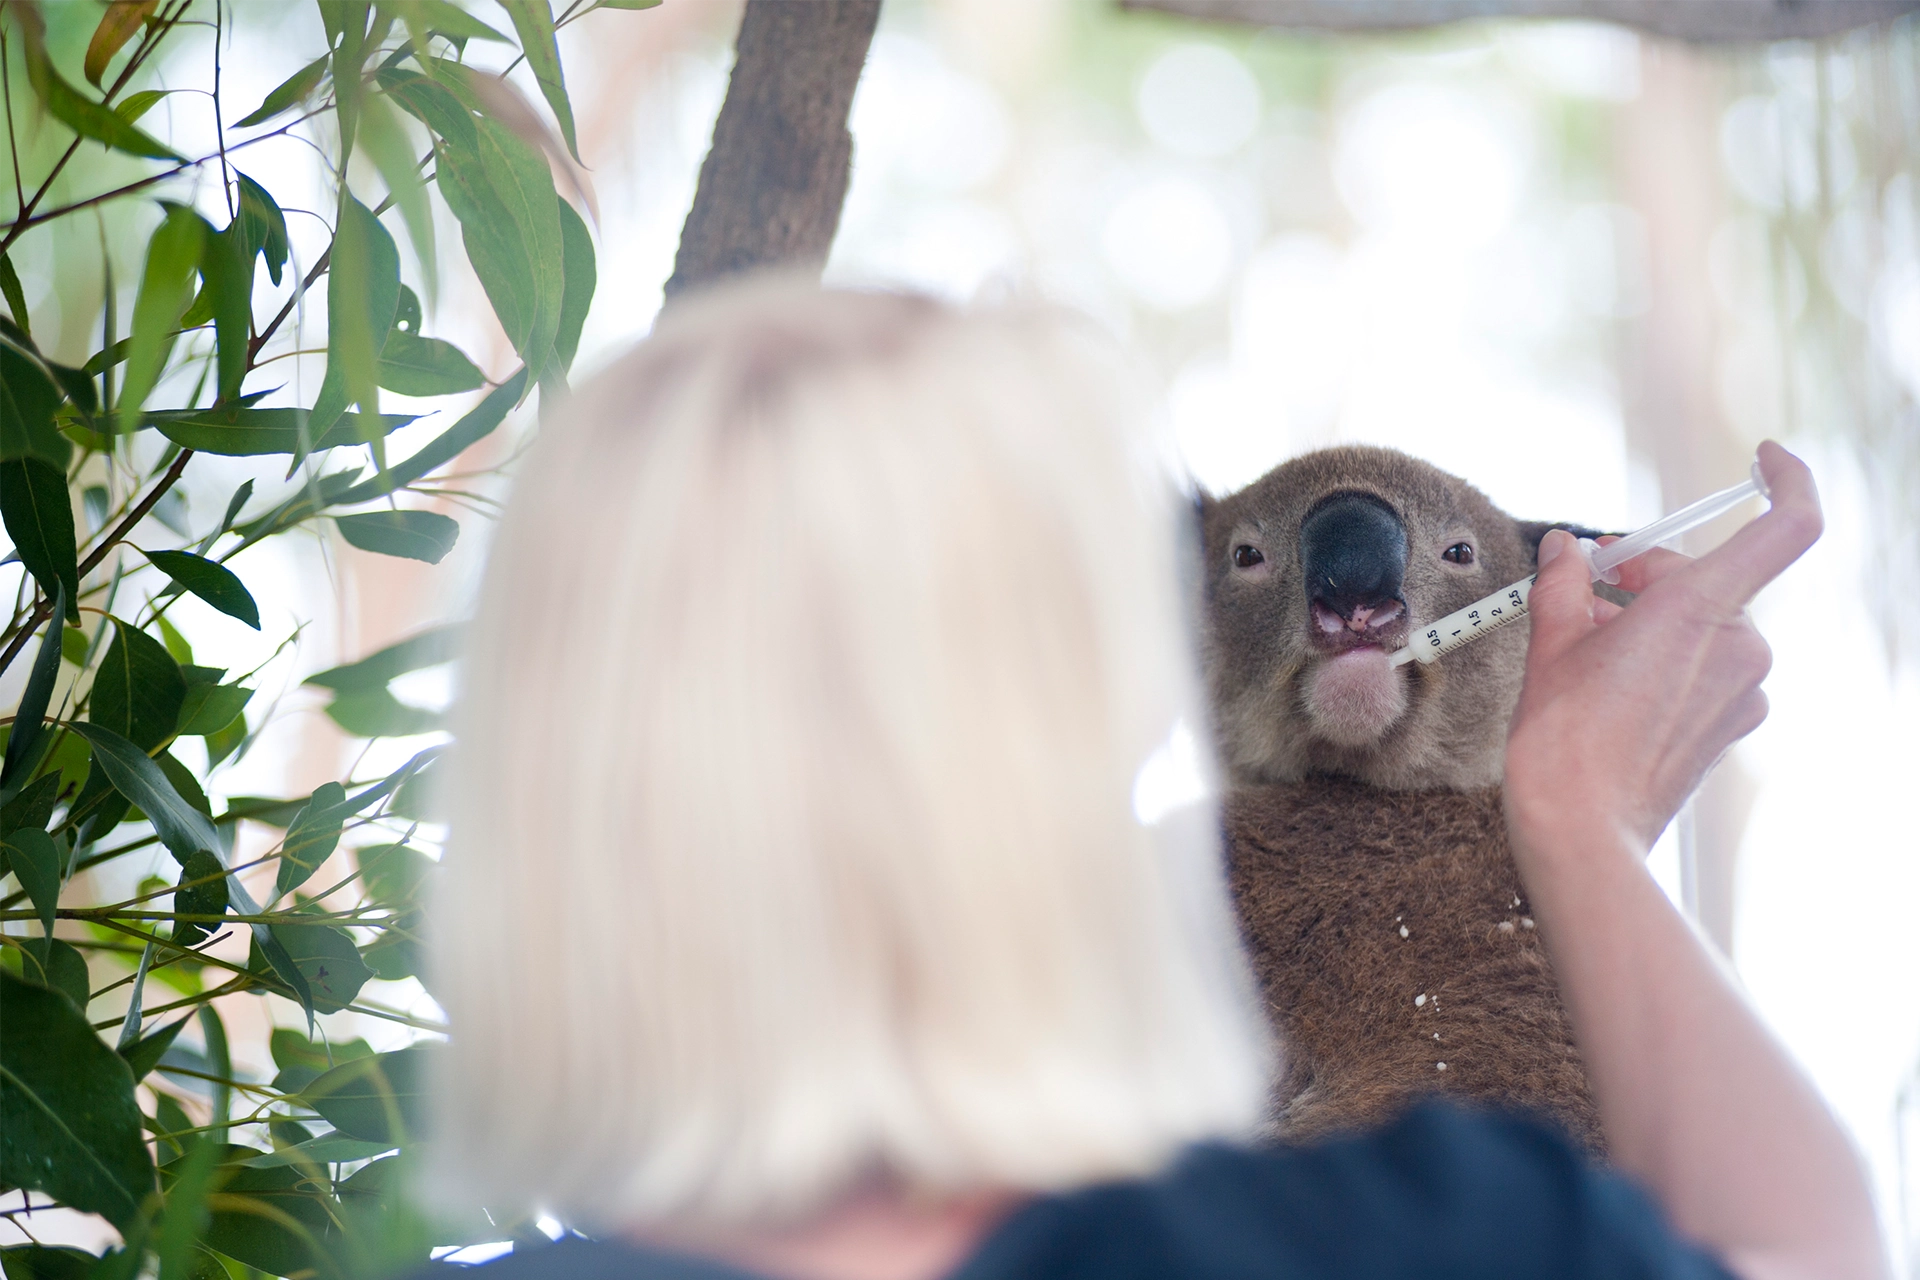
x=1397, y=955
x=1367, y=847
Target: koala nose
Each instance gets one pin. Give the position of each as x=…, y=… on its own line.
x=1353, y=554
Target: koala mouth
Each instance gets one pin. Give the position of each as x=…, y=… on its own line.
x=1382, y=625
x=1353, y=697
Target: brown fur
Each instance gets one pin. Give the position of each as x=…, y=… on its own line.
x=1325, y=873
x=1334, y=847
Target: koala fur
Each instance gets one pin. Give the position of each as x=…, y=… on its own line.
x=1367, y=848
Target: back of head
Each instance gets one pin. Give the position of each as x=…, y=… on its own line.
x=792, y=837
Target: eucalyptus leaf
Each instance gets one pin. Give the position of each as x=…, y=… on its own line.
x=245, y=432
x=311, y=837
x=478, y=423
x=363, y=290
x=74, y=109
x=183, y=829
x=218, y=585
x=206, y=898
x=138, y=690
x=173, y=255
x=135, y=105
x=36, y=860
x=262, y=225
x=33, y=807
x=501, y=190
x=327, y=961
x=39, y=518
x=122, y=19
x=533, y=22
x=210, y=708
x=411, y=535
x=582, y=278
x=29, y=716
x=29, y=398
x=226, y=269
x=16, y=296
x=66, y=972
x=285, y=95
x=376, y=713
x=425, y=649
x=417, y=366
x=377, y=1099
x=69, y=1125
x=144, y=1055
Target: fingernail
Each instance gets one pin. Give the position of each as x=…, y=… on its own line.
x=1552, y=545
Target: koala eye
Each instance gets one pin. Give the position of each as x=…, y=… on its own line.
x=1245, y=557
x=1459, y=553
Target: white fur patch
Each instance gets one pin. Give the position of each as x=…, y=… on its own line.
x=1355, y=698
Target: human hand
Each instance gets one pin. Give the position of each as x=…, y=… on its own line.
x=1625, y=710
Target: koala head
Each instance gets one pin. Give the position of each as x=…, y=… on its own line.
x=1318, y=571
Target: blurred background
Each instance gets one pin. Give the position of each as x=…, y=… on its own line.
x=1588, y=270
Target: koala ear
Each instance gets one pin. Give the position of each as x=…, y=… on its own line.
x=1531, y=531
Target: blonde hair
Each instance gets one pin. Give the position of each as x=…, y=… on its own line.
x=792, y=840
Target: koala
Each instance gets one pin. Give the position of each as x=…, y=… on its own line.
x=1367, y=847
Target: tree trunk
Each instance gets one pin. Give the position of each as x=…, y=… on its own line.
x=773, y=181
x=1684, y=19
x=1669, y=168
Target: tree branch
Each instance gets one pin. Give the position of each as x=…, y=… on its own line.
x=776, y=175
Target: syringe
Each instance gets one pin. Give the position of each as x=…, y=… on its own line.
x=1509, y=604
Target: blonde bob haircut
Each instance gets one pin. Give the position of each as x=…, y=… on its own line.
x=792, y=843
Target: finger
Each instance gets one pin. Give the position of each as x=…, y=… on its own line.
x=1604, y=610
x=1756, y=554
x=1641, y=572
x=1561, y=603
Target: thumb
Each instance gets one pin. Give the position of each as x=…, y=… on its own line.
x=1561, y=603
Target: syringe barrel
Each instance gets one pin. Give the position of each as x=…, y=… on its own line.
x=1605, y=559
x=1489, y=613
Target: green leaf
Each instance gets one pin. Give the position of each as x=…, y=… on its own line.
x=311, y=837
x=478, y=423
x=582, y=277
x=449, y=20
x=36, y=860
x=33, y=807
x=186, y=1215
x=533, y=22
x=173, y=255
x=406, y=316
x=39, y=518
x=214, y=1032
x=144, y=1055
x=417, y=366
x=60, y=968
x=375, y=713
x=237, y=432
x=394, y=874
x=294, y=89
x=501, y=190
x=74, y=109
x=363, y=291
x=16, y=296
x=184, y=783
x=431, y=103
x=122, y=19
x=411, y=535
x=68, y=1122
x=45, y=1262
x=226, y=268
x=218, y=585
x=396, y=157
x=182, y=828
x=29, y=717
x=327, y=961
x=29, y=397
x=210, y=708
x=138, y=690
x=270, y=1219
x=377, y=1099
x=263, y=225
x=181, y=652
x=209, y=899
x=417, y=652
x=135, y=105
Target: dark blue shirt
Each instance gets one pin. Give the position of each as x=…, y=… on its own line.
x=1440, y=1193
